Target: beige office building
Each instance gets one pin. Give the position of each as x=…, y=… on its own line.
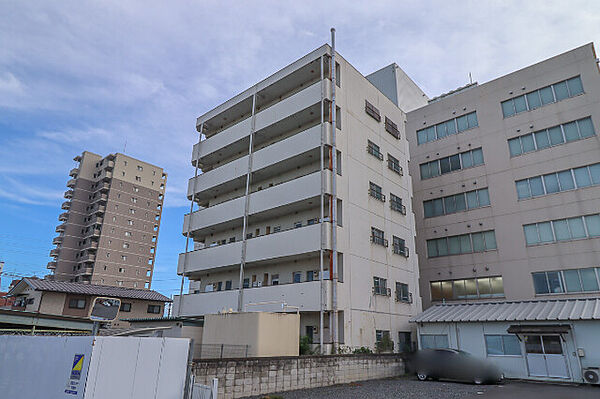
x=320, y=218
x=109, y=228
x=506, y=179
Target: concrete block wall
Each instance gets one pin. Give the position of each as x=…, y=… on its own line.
x=258, y=376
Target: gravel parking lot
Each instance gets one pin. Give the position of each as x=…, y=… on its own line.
x=410, y=388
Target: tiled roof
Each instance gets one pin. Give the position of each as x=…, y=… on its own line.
x=541, y=310
x=94, y=289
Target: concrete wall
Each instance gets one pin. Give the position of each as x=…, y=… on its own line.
x=245, y=377
x=267, y=334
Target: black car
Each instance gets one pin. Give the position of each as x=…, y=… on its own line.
x=455, y=365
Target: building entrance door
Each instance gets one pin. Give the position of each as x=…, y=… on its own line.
x=545, y=357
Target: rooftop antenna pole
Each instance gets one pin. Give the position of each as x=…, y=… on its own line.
x=470, y=78
x=125, y=146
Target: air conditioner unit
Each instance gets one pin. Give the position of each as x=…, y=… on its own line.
x=591, y=375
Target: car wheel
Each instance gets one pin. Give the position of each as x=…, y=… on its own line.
x=422, y=376
x=478, y=380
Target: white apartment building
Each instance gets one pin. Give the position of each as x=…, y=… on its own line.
x=307, y=217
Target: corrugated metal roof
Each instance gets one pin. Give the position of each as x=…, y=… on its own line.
x=94, y=289
x=541, y=310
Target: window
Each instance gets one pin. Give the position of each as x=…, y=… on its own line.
x=380, y=286
x=121, y=270
x=463, y=160
x=380, y=335
x=276, y=229
x=275, y=279
x=447, y=128
x=556, y=135
x=135, y=189
x=137, y=178
x=125, y=245
x=140, y=168
x=123, y=257
x=372, y=111
x=125, y=307
x=119, y=283
x=456, y=203
x=227, y=285
x=128, y=234
x=565, y=180
x=310, y=275
x=396, y=204
x=502, y=345
x=375, y=192
x=75, y=303
x=134, y=200
x=312, y=221
x=377, y=237
x=567, y=281
x=154, y=309
x=132, y=211
x=220, y=286
x=374, y=150
x=538, y=98
x=400, y=247
x=470, y=288
x=402, y=294
x=297, y=224
x=462, y=244
x=246, y=283
x=434, y=341
x=297, y=277
x=394, y=165
x=562, y=229
x=391, y=128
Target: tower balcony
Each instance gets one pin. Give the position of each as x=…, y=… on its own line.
x=74, y=172
x=102, y=198
x=100, y=210
x=54, y=252
x=66, y=205
x=51, y=265
x=88, y=258
x=57, y=240
x=71, y=183
x=60, y=228
x=63, y=216
x=68, y=194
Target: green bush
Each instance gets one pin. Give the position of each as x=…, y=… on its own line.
x=385, y=345
x=305, y=345
x=362, y=349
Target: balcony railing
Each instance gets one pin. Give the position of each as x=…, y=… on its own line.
x=377, y=195
x=100, y=198
x=68, y=194
x=375, y=152
x=57, y=240
x=398, y=207
x=400, y=250
x=382, y=291
x=73, y=172
x=60, y=228
x=51, y=265
x=71, y=183
x=66, y=205
x=54, y=252
x=100, y=209
x=88, y=258
x=63, y=216
x=379, y=240
x=395, y=167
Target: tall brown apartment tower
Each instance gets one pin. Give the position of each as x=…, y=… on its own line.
x=109, y=227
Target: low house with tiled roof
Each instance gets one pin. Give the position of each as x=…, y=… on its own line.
x=75, y=299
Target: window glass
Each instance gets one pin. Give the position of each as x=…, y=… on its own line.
x=430, y=133
x=455, y=162
x=438, y=207
x=527, y=143
x=533, y=99
x=508, y=108
x=442, y=245
x=478, y=245
x=440, y=130
x=493, y=344
x=588, y=278
x=520, y=104
x=428, y=209
x=582, y=177
x=531, y=234
x=490, y=240
x=447, y=289
x=467, y=159
x=561, y=91
x=477, y=157
x=546, y=95
x=459, y=199
x=552, y=344
x=571, y=133
x=595, y=173
x=472, y=119
x=575, y=86
x=561, y=230
x=576, y=227
x=533, y=344
x=540, y=284
x=497, y=286
x=572, y=282
x=453, y=245
x=592, y=223
x=514, y=146
x=541, y=139
x=566, y=180
x=556, y=136
x=459, y=289
x=536, y=186
x=472, y=200
x=523, y=189
x=449, y=204
x=445, y=165
x=554, y=282
x=462, y=123
x=436, y=290
x=425, y=171
x=421, y=136
x=545, y=230
x=586, y=129
x=465, y=244
x=512, y=346
x=483, y=285
x=432, y=248
x=434, y=168
x=551, y=183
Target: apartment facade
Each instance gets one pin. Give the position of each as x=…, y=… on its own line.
x=304, y=216
x=110, y=223
x=506, y=179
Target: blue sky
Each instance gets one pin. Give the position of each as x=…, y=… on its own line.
x=91, y=75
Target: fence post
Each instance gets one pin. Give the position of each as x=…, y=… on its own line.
x=215, y=388
x=221, y=351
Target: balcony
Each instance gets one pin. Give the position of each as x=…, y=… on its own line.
x=93, y=246
x=71, y=183
x=73, y=172
x=68, y=194
x=289, y=243
x=104, y=187
x=297, y=109
x=63, y=216
x=93, y=233
x=60, y=228
x=106, y=174
x=57, y=240
x=87, y=271
x=305, y=295
x=282, y=198
x=299, y=149
x=100, y=210
x=110, y=165
x=101, y=198
x=66, y=205
x=54, y=252
x=87, y=258
x=51, y=265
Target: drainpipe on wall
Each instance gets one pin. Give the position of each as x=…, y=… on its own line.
x=334, y=277
x=321, y=293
